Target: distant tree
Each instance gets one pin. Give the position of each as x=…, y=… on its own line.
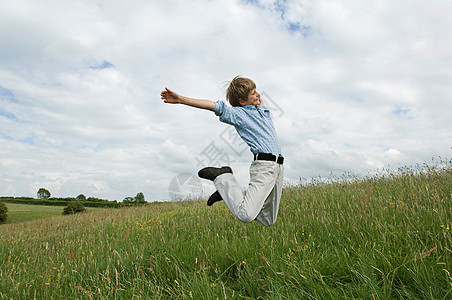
x=128, y=200
x=3, y=212
x=43, y=193
x=139, y=198
x=81, y=197
x=73, y=207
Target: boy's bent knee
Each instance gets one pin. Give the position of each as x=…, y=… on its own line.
x=245, y=218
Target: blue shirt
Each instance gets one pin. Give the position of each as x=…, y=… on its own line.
x=253, y=124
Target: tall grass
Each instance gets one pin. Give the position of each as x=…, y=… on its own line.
x=379, y=237
x=26, y=212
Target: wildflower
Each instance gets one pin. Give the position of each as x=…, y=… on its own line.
x=213, y=285
x=244, y=262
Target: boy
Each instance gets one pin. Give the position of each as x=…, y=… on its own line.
x=253, y=123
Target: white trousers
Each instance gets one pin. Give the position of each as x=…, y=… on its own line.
x=261, y=200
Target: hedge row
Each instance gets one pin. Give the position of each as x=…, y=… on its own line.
x=59, y=202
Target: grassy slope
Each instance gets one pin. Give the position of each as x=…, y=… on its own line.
x=24, y=212
x=377, y=238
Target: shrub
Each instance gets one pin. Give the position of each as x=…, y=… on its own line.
x=3, y=212
x=73, y=207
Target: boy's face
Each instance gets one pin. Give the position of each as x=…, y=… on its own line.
x=254, y=98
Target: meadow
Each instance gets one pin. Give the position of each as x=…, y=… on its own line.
x=25, y=212
x=378, y=237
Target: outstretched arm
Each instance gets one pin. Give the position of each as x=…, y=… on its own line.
x=168, y=96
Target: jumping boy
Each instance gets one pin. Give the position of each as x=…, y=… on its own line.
x=253, y=123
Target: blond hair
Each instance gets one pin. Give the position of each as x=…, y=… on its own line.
x=239, y=89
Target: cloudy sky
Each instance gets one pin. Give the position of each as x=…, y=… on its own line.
x=354, y=87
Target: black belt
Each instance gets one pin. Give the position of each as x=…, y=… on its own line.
x=270, y=157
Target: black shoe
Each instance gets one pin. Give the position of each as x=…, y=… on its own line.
x=211, y=173
x=215, y=197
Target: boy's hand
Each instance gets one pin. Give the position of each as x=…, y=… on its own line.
x=168, y=96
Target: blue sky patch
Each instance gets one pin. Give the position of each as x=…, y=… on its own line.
x=7, y=94
x=6, y=137
x=7, y=115
x=28, y=141
x=253, y=2
x=280, y=6
x=297, y=27
x=294, y=26
x=401, y=112
x=104, y=65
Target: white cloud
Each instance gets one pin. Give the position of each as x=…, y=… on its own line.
x=361, y=86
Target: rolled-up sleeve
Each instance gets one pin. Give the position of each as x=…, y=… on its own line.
x=219, y=108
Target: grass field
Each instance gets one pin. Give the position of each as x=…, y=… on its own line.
x=384, y=237
x=24, y=212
